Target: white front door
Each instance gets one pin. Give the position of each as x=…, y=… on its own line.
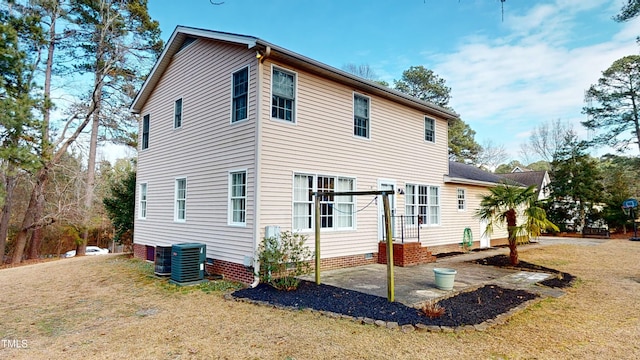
x=485, y=240
x=391, y=186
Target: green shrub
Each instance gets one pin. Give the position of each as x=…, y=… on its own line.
x=283, y=260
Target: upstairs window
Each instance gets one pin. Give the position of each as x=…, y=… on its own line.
x=145, y=132
x=361, y=116
x=177, y=114
x=240, y=95
x=283, y=90
x=429, y=129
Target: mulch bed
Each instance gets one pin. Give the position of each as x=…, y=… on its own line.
x=561, y=280
x=468, y=308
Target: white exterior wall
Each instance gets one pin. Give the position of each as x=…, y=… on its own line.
x=203, y=150
x=321, y=142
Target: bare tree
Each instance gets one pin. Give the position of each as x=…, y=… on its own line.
x=545, y=140
x=363, y=70
x=491, y=155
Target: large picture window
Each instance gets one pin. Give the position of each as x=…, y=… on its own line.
x=238, y=198
x=283, y=90
x=240, y=95
x=180, y=213
x=336, y=212
x=422, y=202
x=361, y=116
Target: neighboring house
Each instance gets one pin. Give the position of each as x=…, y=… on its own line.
x=236, y=132
x=528, y=177
x=470, y=184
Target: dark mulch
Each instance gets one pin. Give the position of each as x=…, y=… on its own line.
x=467, y=308
x=561, y=280
x=455, y=253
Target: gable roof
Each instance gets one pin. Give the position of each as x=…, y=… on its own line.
x=470, y=175
x=183, y=33
x=529, y=178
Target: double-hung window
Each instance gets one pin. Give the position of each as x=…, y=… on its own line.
x=422, y=202
x=429, y=129
x=361, y=116
x=410, y=205
x=180, y=213
x=240, y=95
x=142, y=206
x=283, y=90
x=177, y=114
x=238, y=198
x=462, y=201
x=336, y=212
x=303, y=202
x=145, y=132
x=344, y=204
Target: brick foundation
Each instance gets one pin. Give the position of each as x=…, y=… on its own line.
x=231, y=271
x=140, y=251
x=405, y=254
x=346, y=261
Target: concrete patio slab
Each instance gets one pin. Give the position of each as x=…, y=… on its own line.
x=415, y=285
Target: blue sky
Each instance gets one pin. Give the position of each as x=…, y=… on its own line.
x=506, y=76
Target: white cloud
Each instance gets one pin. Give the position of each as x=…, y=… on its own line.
x=503, y=87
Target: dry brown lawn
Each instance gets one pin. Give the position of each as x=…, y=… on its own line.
x=109, y=307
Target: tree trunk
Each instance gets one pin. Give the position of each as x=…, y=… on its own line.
x=47, y=149
x=513, y=240
x=36, y=241
x=31, y=216
x=91, y=169
x=10, y=184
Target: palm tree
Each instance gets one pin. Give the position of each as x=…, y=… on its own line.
x=505, y=204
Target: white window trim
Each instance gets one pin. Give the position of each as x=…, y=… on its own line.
x=248, y=67
x=181, y=113
x=140, y=201
x=230, y=221
x=424, y=130
x=464, y=199
x=175, y=199
x=417, y=204
x=295, y=99
x=353, y=109
x=315, y=188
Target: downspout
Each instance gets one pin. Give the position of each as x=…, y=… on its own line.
x=258, y=163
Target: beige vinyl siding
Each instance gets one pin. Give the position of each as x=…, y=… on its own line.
x=322, y=142
x=455, y=221
x=203, y=150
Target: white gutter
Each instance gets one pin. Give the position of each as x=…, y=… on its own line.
x=454, y=180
